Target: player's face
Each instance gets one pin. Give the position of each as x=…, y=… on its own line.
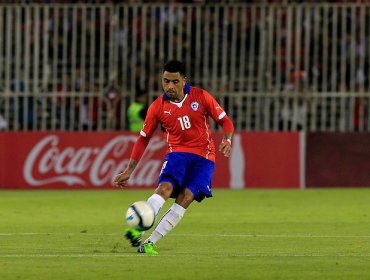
x=173, y=84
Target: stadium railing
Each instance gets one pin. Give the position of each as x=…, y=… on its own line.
x=273, y=67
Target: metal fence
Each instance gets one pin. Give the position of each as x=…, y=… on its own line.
x=273, y=67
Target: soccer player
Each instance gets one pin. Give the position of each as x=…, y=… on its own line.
x=183, y=112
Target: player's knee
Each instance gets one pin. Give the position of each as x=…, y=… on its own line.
x=185, y=199
x=164, y=189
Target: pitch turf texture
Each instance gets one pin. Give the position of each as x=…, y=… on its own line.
x=249, y=234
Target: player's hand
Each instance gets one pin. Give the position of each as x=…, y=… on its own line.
x=121, y=179
x=225, y=147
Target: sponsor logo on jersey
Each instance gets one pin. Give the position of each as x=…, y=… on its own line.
x=194, y=106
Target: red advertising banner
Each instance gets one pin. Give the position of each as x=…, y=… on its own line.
x=272, y=159
x=338, y=159
x=90, y=160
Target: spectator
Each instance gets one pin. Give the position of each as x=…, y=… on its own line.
x=294, y=110
x=136, y=112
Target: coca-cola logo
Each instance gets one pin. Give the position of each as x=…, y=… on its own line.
x=48, y=163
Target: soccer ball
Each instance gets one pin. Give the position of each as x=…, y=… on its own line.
x=140, y=215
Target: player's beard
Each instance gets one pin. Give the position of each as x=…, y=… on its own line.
x=172, y=95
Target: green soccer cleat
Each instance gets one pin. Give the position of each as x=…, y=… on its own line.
x=134, y=236
x=147, y=248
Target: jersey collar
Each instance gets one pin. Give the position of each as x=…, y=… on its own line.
x=187, y=90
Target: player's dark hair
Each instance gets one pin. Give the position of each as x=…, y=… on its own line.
x=174, y=66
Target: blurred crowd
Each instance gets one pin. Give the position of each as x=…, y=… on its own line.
x=336, y=41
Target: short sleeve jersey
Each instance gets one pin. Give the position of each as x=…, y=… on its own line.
x=186, y=124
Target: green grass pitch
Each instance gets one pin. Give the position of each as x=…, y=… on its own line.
x=246, y=234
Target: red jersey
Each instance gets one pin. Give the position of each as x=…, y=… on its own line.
x=186, y=123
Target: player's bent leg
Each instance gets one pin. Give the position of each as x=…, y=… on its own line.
x=157, y=200
x=134, y=236
x=162, y=193
x=166, y=224
x=170, y=219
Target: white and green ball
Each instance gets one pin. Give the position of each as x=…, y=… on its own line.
x=140, y=215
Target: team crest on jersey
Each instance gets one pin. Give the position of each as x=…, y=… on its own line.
x=194, y=106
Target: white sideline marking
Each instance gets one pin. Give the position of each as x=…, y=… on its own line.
x=104, y=255
x=190, y=234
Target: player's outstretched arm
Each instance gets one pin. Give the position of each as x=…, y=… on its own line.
x=121, y=179
x=140, y=145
